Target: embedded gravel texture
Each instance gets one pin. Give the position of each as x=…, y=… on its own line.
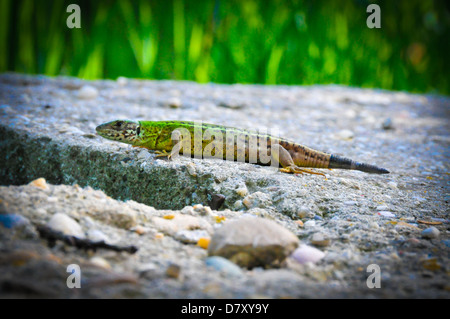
x=125, y=196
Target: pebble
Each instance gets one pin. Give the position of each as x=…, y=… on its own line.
x=180, y=222
x=216, y=201
x=122, y=81
x=309, y=223
x=252, y=242
x=386, y=214
x=100, y=262
x=204, y=242
x=191, y=236
x=202, y=210
x=345, y=135
x=87, y=92
x=173, y=271
x=97, y=235
x=65, y=224
x=13, y=220
x=190, y=167
x=392, y=185
x=242, y=191
x=430, y=233
x=321, y=240
x=387, y=124
x=257, y=199
x=305, y=253
x=224, y=265
x=304, y=212
x=40, y=182
x=174, y=102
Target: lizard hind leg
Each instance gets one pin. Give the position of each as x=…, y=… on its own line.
x=282, y=156
x=297, y=170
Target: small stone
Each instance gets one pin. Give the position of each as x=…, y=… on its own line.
x=174, y=102
x=321, y=240
x=224, y=265
x=345, y=135
x=387, y=124
x=13, y=220
x=304, y=212
x=87, y=92
x=202, y=210
x=191, y=169
x=140, y=230
x=122, y=81
x=430, y=233
x=257, y=199
x=216, y=201
x=386, y=214
x=309, y=223
x=243, y=191
x=252, y=242
x=68, y=226
x=238, y=205
x=219, y=219
x=173, y=271
x=97, y=235
x=305, y=254
x=40, y=182
x=100, y=262
x=204, y=242
x=299, y=222
x=392, y=185
x=191, y=236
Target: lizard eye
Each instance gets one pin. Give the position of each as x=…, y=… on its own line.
x=138, y=130
x=119, y=124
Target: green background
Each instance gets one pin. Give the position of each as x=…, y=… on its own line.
x=267, y=42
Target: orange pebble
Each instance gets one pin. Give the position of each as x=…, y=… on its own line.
x=203, y=242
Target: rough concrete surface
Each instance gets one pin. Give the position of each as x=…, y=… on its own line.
x=125, y=196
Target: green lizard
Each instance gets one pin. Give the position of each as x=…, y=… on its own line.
x=209, y=140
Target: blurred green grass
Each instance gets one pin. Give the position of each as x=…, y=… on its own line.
x=250, y=41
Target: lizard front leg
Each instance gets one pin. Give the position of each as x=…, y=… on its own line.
x=175, y=151
x=280, y=155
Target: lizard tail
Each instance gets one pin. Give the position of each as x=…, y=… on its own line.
x=346, y=163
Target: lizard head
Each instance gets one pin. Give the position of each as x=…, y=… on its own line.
x=126, y=131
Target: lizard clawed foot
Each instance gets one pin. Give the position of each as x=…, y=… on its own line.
x=298, y=170
x=163, y=154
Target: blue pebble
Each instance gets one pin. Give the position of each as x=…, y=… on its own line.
x=12, y=220
x=224, y=265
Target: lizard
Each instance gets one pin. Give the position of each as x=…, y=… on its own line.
x=288, y=156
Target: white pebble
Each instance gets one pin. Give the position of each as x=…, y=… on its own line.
x=345, y=135
x=100, y=262
x=309, y=223
x=191, y=236
x=97, y=235
x=87, y=92
x=306, y=253
x=122, y=81
x=430, y=233
x=174, y=102
x=392, y=185
x=68, y=226
x=386, y=214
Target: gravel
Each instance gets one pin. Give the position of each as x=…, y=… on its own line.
x=54, y=163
